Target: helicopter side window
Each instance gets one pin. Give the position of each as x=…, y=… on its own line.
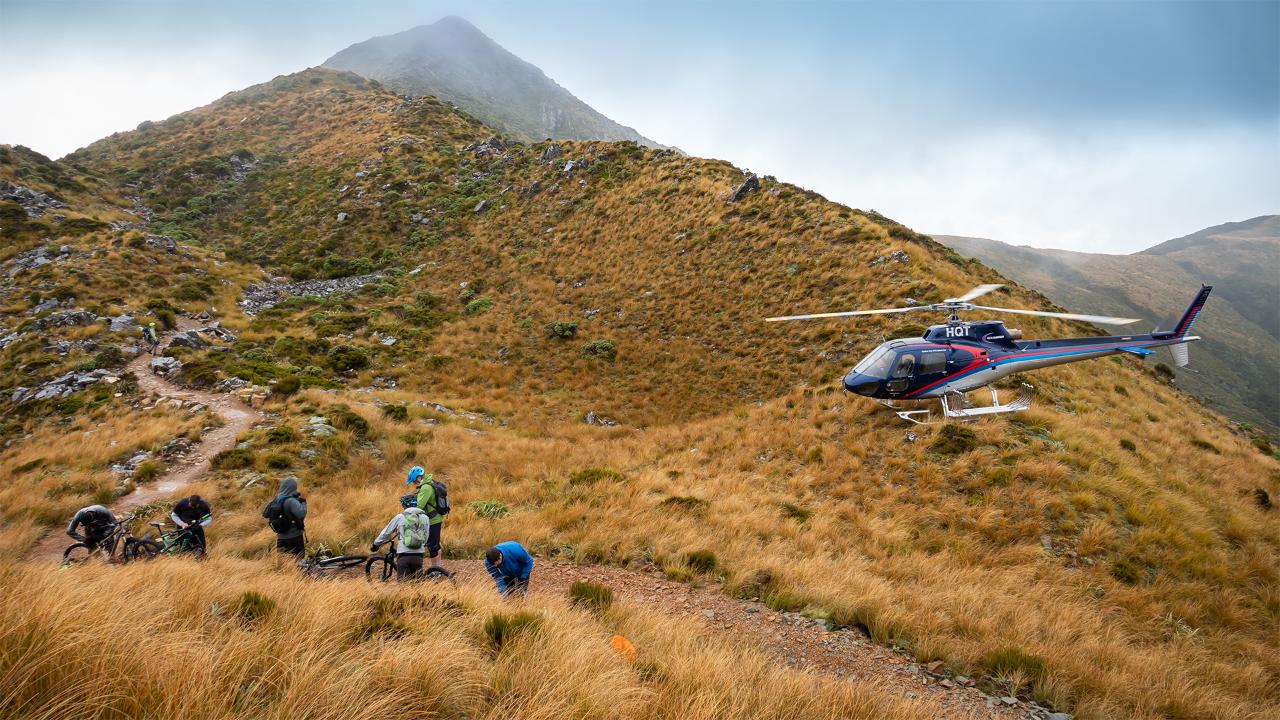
x=906, y=363
x=876, y=364
x=932, y=361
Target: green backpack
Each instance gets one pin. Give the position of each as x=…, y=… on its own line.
x=413, y=531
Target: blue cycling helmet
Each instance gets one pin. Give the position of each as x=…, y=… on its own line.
x=415, y=473
x=408, y=500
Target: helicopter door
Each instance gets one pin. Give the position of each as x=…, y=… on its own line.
x=902, y=372
x=932, y=362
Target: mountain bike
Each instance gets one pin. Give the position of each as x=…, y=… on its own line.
x=381, y=568
x=173, y=542
x=78, y=552
x=318, y=567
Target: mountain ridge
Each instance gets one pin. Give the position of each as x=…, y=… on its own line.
x=453, y=60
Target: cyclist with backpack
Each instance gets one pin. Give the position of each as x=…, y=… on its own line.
x=433, y=499
x=97, y=522
x=286, y=514
x=149, y=338
x=192, y=514
x=411, y=528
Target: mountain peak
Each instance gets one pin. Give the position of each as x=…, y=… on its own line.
x=455, y=61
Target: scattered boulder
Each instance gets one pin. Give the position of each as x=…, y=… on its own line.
x=594, y=418
x=33, y=202
x=218, y=332
x=749, y=185
x=129, y=466
x=162, y=242
x=480, y=206
x=190, y=339
x=342, y=217
x=66, y=318
x=34, y=258
x=552, y=152
x=61, y=386
x=897, y=256
x=260, y=297
x=231, y=384
x=165, y=365
x=122, y=323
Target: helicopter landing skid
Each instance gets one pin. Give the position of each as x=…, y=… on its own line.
x=956, y=406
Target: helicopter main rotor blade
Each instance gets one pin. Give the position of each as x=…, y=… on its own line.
x=1100, y=319
x=980, y=290
x=848, y=313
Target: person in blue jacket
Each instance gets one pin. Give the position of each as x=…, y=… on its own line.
x=510, y=565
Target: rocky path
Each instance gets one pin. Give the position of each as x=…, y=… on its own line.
x=237, y=417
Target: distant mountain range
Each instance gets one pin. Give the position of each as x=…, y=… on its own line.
x=1237, y=366
x=452, y=60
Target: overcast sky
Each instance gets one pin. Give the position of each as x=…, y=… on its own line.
x=1103, y=127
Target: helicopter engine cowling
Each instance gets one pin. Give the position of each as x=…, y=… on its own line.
x=1014, y=333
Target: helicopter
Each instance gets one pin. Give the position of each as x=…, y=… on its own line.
x=949, y=361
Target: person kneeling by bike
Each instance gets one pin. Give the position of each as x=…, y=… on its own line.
x=192, y=514
x=411, y=529
x=97, y=522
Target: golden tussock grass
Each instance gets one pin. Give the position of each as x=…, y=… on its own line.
x=181, y=639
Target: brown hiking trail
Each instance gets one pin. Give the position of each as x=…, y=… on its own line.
x=237, y=417
x=789, y=638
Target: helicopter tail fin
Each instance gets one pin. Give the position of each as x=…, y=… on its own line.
x=1184, y=325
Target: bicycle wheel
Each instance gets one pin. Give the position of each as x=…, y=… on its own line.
x=141, y=549
x=435, y=573
x=342, y=562
x=378, y=569
x=76, y=553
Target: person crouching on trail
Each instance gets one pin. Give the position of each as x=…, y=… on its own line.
x=433, y=499
x=192, y=514
x=411, y=530
x=510, y=566
x=97, y=522
x=286, y=515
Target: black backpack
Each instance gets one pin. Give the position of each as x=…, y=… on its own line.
x=278, y=518
x=442, y=497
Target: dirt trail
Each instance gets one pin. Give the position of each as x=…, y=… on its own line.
x=237, y=418
x=793, y=640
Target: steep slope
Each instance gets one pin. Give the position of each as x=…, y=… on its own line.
x=1112, y=552
x=452, y=60
x=1234, y=368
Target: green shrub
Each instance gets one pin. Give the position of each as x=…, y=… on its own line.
x=396, y=411
x=600, y=349
x=1011, y=661
x=796, y=512
x=344, y=358
x=70, y=405
x=561, y=330
x=252, y=606
x=1165, y=371
x=1126, y=571
x=703, y=561
x=491, y=509
x=685, y=502
x=233, y=459
x=596, y=598
x=954, y=439
x=478, y=305
x=281, y=435
x=147, y=471
x=278, y=461
x=1127, y=444
x=502, y=629
x=345, y=418
x=286, y=386
x=1206, y=445
x=586, y=476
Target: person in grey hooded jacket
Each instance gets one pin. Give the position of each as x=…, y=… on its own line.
x=286, y=514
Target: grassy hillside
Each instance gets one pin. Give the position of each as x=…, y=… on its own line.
x=1234, y=367
x=1108, y=552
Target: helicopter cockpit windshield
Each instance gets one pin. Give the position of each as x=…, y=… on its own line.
x=876, y=364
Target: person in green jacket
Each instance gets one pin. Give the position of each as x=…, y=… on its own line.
x=432, y=506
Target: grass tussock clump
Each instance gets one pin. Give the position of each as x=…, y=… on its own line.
x=501, y=629
x=489, y=509
x=252, y=606
x=590, y=595
x=592, y=475
x=954, y=439
x=233, y=459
